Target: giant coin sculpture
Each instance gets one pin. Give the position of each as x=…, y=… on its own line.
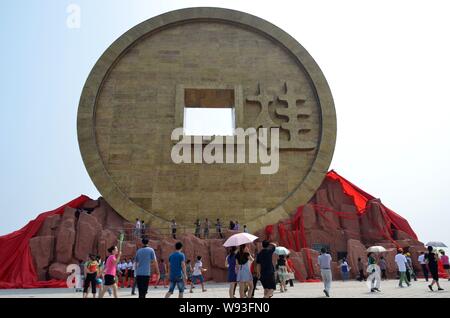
x=159, y=74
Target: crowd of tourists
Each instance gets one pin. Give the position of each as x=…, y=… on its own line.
x=376, y=269
x=245, y=267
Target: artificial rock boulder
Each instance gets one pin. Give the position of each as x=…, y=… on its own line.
x=69, y=238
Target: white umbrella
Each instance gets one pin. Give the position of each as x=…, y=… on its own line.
x=281, y=250
x=376, y=249
x=239, y=239
x=436, y=244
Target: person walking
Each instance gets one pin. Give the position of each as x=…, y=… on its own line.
x=173, y=228
x=432, y=260
x=111, y=271
x=410, y=268
x=374, y=273
x=162, y=273
x=255, y=277
x=177, y=271
x=122, y=267
x=244, y=275
x=383, y=267
x=401, y=261
x=230, y=264
x=445, y=263
x=282, y=272
x=145, y=258
x=291, y=271
x=361, y=268
x=90, y=270
x=345, y=269
x=219, y=228
x=324, y=261
x=82, y=276
x=188, y=272
x=423, y=265
x=133, y=289
x=197, y=274
x=264, y=268
x=237, y=227
x=130, y=273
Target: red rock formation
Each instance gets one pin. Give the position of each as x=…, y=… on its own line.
x=42, y=247
x=331, y=219
x=58, y=271
x=69, y=238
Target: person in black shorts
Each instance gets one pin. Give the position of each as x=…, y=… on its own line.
x=264, y=268
x=91, y=269
x=432, y=260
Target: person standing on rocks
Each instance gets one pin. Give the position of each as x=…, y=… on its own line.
x=177, y=271
x=142, y=229
x=324, y=261
x=173, y=227
x=264, y=268
x=197, y=228
x=137, y=229
x=111, y=271
x=145, y=258
x=401, y=261
x=219, y=228
x=206, y=229
x=423, y=265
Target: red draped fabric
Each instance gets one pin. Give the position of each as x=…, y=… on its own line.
x=16, y=262
x=292, y=234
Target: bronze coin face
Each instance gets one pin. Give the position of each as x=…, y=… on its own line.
x=151, y=78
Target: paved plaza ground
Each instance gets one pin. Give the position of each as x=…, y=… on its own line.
x=349, y=289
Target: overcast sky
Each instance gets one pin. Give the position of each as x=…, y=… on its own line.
x=387, y=63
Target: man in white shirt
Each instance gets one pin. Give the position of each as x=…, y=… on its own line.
x=400, y=259
x=324, y=261
x=423, y=264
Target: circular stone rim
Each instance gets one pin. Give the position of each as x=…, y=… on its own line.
x=88, y=100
